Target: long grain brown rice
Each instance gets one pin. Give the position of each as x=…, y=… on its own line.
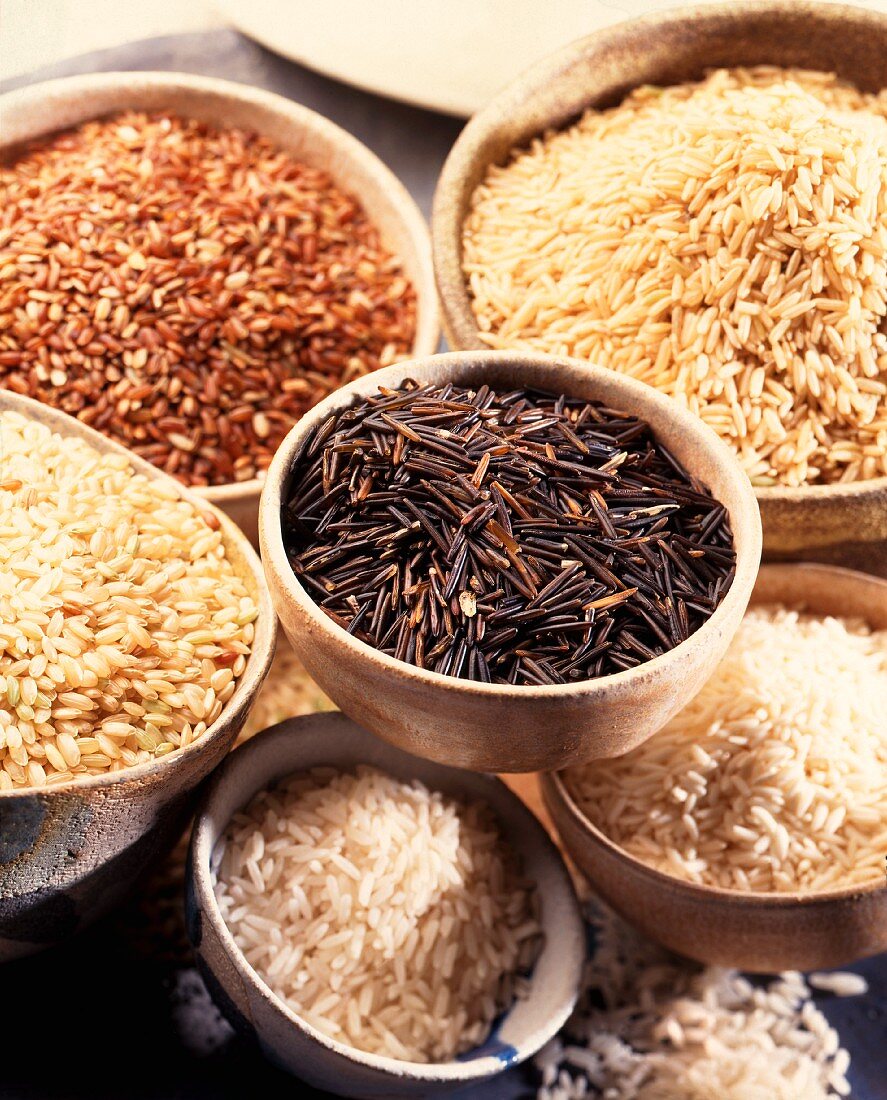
x=725, y=242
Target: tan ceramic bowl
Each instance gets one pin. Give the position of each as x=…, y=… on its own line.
x=70, y=852
x=495, y=727
x=758, y=932
x=332, y=740
x=44, y=108
x=837, y=523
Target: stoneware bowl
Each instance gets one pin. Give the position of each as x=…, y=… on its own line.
x=844, y=524
x=334, y=740
x=70, y=852
x=42, y=109
x=759, y=932
x=494, y=727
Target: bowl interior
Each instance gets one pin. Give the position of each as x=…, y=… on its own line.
x=245, y=562
x=331, y=739
x=815, y=589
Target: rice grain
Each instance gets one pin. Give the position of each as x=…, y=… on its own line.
x=724, y=241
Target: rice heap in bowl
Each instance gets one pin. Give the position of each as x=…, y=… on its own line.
x=387, y=916
x=725, y=242
x=123, y=625
x=774, y=778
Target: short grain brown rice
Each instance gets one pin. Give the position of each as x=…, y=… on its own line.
x=725, y=242
x=189, y=291
x=123, y=625
x=389, y=917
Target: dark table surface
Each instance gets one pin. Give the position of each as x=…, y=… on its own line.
x=119, y=1012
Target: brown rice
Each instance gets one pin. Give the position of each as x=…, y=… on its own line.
x=725, y=242
x=123, y=625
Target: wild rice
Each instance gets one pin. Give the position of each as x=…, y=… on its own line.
x=387, y=916
x=651, y=1027
x=725, y=242
x=774, y=778
x=189, y=291
x=520, y=537
x=123, y=626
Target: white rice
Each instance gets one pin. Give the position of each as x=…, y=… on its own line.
x=652, y=1027
x=840, y=982
x=774, y=778
x=389, y=917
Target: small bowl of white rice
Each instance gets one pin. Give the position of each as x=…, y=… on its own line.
x=380, y=925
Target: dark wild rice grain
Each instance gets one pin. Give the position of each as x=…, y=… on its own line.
x=518, y=538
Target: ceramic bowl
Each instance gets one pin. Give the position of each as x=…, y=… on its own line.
x=762, y=932
x=843, y=524
x=70, y=852
x=333, y=740
x=494, y=727
x=41, y=109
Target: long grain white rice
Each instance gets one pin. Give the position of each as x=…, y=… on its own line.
x=725, y=242
x=387, y=916
x=123, y=625
x=653, y=1027
x=774, y=778
x=842, y=983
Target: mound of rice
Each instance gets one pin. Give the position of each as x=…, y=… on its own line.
x=387, y=916
x=723, y=241
x=652, y=1027
x=123, y=625
x=774, y=777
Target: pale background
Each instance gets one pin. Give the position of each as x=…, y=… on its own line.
x=471, y=39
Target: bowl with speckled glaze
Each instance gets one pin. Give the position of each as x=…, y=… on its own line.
x=842, y=524
x=69, y=852
x=332, y=740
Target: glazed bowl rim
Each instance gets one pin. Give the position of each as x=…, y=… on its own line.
x=261, y=650
x=201, y=876
x=282, y=577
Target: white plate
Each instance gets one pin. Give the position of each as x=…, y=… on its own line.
x=449, y=55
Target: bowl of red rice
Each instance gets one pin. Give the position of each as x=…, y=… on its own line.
x=190, y=264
